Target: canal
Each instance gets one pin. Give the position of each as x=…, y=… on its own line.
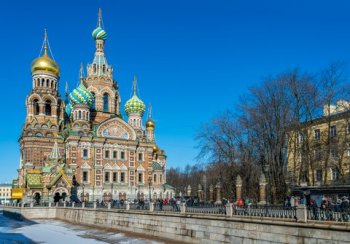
x=55, y=231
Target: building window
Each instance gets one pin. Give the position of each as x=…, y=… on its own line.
x=85, y=176
x=122, y=177
x=106, y=154
x=317, y=134
x=319, y=175
x=85, y=153
x=93, y=106
x=333, y=131
x=140, y=156
x=301, y=138
x=115, y=154
x=161, y=179
x=106, y=176
x=155, y=178
x=48, y=107
x=114, y=176
x=105, y=102
x=335, y=174
x=348, y=149
x=36, y=106
x=140, y=178
x=122, y=155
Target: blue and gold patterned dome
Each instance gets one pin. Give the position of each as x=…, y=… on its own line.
x=99, y=34
x=81, y=95
x=135, y=105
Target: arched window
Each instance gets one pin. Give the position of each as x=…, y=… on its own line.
x=38, y=82
x=48, y=107
x=104, y=68
x=42, y=82
x=79, y=116
x=105, y=102
x=47, y=83
x=84, y=115
x=52, y=84
x=94, y=68
x=36, y=106
x=93, y=102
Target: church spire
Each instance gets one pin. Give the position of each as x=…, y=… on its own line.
x=45, y=42
x=99, y=21
x=81, y=73
x=134, y=86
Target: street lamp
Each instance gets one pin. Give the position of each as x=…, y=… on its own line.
x=83, y=192
x=111, y=191
x=149, y=188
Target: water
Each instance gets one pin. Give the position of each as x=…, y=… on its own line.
x=55, y=231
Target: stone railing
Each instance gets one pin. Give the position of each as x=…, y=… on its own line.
x=299, y=214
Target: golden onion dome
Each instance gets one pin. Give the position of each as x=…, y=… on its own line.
x=150, y=123
x=45, y=64
x=155, y=148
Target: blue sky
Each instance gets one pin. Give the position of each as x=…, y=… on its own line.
x=193, y=59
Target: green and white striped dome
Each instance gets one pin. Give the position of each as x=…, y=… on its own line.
x=135, y=105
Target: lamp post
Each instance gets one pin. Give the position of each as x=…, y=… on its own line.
x=111, y=191
x=149, y=188
x=83, y=186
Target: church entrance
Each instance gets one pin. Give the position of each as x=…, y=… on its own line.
x=37, y=198
x=60, y=195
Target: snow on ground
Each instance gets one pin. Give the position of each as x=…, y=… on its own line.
x=54, y=231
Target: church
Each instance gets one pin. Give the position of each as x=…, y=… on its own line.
x=80, y=147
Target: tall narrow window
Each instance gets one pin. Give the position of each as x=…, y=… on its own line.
x=155, y=178
x=106, y=154
x=36, y=106
x=140, y=157
x=48, y=107
x=140, y=178
x=122, y=155
x=115, y=153
x=333, y=131
x=114, y=176
x=105, y=102
x=106, y=176
x=93, y=101
x=79, y=116
x=85, y=153
x=317, y=134
x=122, y=177
x=85, y=176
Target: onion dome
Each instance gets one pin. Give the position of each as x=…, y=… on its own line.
x=150, y=123
x=99, y=34
x=45, y=63
x=81, y=95
x=155, y=148
x=135, y=105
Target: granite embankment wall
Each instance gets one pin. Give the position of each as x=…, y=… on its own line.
x=195, y=228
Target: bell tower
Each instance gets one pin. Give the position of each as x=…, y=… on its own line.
x=45, y=109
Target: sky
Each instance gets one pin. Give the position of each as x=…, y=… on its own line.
x=193, y=59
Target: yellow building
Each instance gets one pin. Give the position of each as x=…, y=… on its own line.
x=5, y=193
x=318, y=151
